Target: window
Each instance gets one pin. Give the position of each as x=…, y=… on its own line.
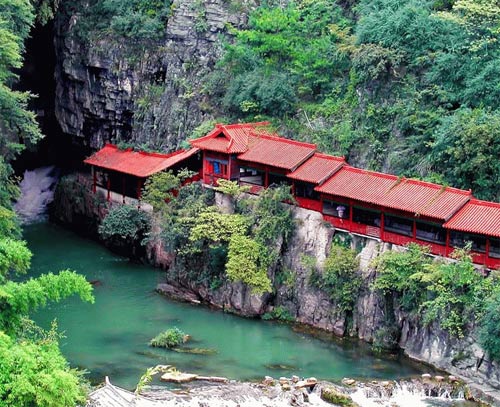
x=458, y=239
x=336, y=209
x=218, y=168
x=305, y=190
x=495, y=248
x=278, y=179
x=431, y=232
x=367, y=217
x=398, y=225
x=251, y=176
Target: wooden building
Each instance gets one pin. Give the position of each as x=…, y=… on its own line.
x=382, y=206
x=125, y=171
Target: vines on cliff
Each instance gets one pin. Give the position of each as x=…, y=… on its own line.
x=453, y=295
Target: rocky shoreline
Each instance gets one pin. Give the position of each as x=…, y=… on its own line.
x=292, y=391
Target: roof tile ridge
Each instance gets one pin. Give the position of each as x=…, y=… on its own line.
x=481, y=202
x=244, y=125
x=157, y=155
x=330, y=156
x=369, y=172
x=439, y=186
x=287, y=140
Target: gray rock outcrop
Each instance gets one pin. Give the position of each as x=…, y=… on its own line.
x=109, y=89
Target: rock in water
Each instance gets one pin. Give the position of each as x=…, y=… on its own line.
x=178, y=377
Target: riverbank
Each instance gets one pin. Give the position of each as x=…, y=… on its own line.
x=295, y=298
x=292, y=391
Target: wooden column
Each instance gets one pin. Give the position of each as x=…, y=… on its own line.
x=414, y=232
x=266, y=178
x=447, y=249
x=293, y=189
x=108, y=186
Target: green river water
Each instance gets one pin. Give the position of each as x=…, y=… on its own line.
x=111, y=336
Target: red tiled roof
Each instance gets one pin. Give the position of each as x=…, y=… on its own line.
x=230, y=138
x=425, y=198
x=139, y=164
x=477, y=216
x=277, y=151
x=416, y=197
x=362, y=185
x=318, y=168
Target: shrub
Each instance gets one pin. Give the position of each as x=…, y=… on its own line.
x=339, y=277
x=280, y=313
x=489, y=330
x=125, y=222
x=169, y=339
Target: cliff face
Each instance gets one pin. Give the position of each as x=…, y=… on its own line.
x=108, y=89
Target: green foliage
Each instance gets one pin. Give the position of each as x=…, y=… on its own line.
x=34, y=373
x=279, y=313
x=387, y=83
x=16, y=121
x=218, y=227
x=489, y=333
x=125, y=222
x=463, y=150
x=394, y=271
x=159, y=188
x=339, y=277
x=136, y=20
x=286, y=52
x=451, y=294
x=246, y=264
x=456, y=293
x=14, y=256
x=231, y=188
x=18, y=299
x=171, y=338
x=273, y=220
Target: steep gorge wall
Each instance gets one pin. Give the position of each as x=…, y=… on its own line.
x=109, y=89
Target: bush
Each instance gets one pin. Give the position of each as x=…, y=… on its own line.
x=169, y=339
x=339, y=277
x=280, y=313
x=125, y=222
x=489, y=330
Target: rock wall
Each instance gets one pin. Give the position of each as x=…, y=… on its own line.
x=306, y=304
x=107, y=89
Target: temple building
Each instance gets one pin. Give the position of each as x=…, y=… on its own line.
x=381, y=206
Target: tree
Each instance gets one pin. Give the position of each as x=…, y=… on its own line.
x=32, y=370
x=466, y=148
x=489, y=333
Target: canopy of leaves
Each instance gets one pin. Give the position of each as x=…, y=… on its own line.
x=125, y=222
x=159, y=189
x=490, y=327
x=34, y=373
x=339, y=276
x=451, y=294
x=246, y=264
x=390, y=84
x=136, y=20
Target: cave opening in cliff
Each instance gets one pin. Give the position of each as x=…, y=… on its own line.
x=37, y=77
